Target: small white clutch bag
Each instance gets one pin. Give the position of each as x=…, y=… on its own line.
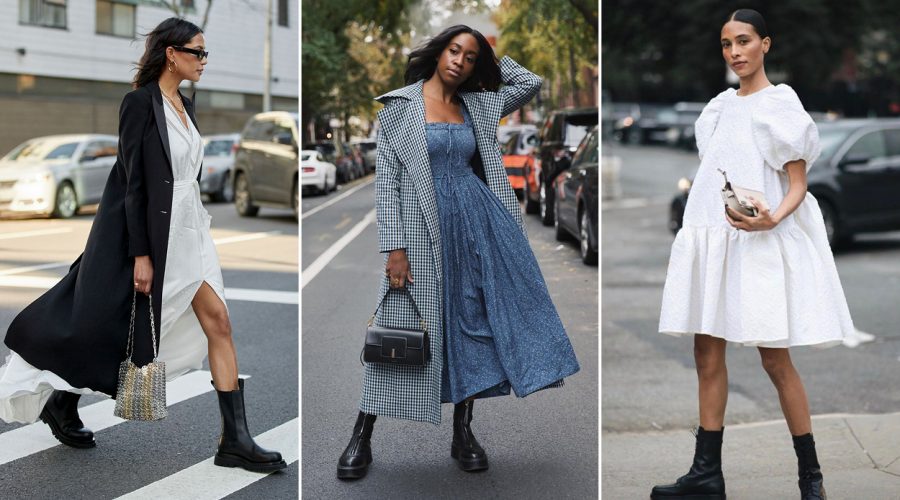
x=737, y=198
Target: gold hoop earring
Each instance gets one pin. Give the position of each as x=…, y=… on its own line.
x=170, y=68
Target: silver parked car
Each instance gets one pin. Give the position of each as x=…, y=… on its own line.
x=56, y=175
x=218, y=165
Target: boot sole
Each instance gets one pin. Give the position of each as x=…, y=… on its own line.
x=689, y=497
x=62, y=438
x=228, y=461
x=468, y=465
x=359, y=472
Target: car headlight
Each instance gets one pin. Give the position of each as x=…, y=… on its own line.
x=35, y=178
x=684, y=184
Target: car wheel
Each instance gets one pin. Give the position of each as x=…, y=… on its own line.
x=226, y=191
x=243, y=202
x=546, y=205
x=561, y=233
x=588, y=255
x=66, y=201
x=836, y=237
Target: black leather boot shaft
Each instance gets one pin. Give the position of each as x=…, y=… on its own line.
x=704, y=481
x=469, y=454
x=61, y=414
x=808, y=469
x=236, y=446
x=355, y=460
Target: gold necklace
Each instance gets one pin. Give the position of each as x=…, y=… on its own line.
x=173, y=102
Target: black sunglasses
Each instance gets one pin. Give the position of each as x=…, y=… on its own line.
x=201, y=54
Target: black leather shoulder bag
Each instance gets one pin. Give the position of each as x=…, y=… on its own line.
x=396, y=345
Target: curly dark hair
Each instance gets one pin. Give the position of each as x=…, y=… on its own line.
x=423, y=61
x=172, y=31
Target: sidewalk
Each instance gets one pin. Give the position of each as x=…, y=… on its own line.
x=859, y=455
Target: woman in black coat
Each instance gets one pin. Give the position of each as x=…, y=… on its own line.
x=71, y=340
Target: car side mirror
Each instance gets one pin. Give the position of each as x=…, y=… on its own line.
x=854, y=159
x=565, y=162
x=87, y=158
x=285, y=139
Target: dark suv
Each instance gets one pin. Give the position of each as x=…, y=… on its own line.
x=560, y=135
x=266, y=164
x=855, y=179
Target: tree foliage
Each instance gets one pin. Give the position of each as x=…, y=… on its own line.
x=671, y=51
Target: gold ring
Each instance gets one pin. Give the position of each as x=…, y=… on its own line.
x=395, y=281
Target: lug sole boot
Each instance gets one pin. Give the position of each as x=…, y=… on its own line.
x=357, y=456
x=705, y=480
x=808, y=470
x=61, y=414
x=469, y=455
x=236, y=446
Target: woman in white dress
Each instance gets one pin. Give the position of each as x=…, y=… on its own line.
x=767, y=281
x=151, y=234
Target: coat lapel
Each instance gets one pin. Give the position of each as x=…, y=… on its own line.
x=405, y=123
x=160, y=114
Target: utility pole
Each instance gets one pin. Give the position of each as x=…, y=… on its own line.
x=267, y=60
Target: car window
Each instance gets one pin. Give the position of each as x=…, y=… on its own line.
x=281, y=129
x=222, y=147
x=62, y=152
x=830, y=139
x=892, y=137
x=260, y=130
x=575, y=133
x=305, y=157
x=870, y=145
x=100, y=149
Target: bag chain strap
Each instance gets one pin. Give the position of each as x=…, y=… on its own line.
x=130, y=349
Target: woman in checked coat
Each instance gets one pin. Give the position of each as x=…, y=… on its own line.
x=453, y=235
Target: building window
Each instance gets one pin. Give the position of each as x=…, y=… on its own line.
x=283, y=12
x=49, y=13
x=115, y=18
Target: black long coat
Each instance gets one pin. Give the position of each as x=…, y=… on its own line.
x=79, y=328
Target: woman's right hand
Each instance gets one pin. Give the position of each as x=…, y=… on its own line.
x=143, y=274
x=397, y=269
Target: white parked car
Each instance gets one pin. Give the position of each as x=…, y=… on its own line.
x=316, y=172
x=218, y=164
x=56, y=175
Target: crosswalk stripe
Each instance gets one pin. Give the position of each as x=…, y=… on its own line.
x=37, y=232
x=33, y=438
x=244, y=237
x=207, y=481
x=269, y=296
x=245, y=294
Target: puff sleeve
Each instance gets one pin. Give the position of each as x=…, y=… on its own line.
x=706, y=122
x=783, y=131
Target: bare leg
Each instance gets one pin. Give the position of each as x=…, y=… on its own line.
x=712, y=374
x=216, y=325
x=791, y=394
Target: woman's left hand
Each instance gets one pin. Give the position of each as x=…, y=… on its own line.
x=763, y=221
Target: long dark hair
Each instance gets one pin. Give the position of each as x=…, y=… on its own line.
x=751, y=17
x=423, y=61
x=172, y=31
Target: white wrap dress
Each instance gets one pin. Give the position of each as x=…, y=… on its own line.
x=191, y=259
x=775, y=288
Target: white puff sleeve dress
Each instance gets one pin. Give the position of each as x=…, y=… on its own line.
x=775, y=288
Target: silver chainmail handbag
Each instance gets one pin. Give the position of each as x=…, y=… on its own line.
x=141, y=392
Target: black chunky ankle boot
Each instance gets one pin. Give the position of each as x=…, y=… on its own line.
x=469, y=455
x=704, y=481
x=808, y=470
x=354, y=462
x=236, y=446
x=61, y=414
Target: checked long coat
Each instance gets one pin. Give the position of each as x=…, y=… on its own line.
x=79, y=328
x=408, y=218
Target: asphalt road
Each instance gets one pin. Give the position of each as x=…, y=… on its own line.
x=542, y=446
x=259, y=263
x=649, y=381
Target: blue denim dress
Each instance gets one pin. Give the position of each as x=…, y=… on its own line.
x=501, y=329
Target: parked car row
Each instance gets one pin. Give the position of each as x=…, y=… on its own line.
x=635, y=123
x=854, y=180
x=57, y=175
x=554, y=170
